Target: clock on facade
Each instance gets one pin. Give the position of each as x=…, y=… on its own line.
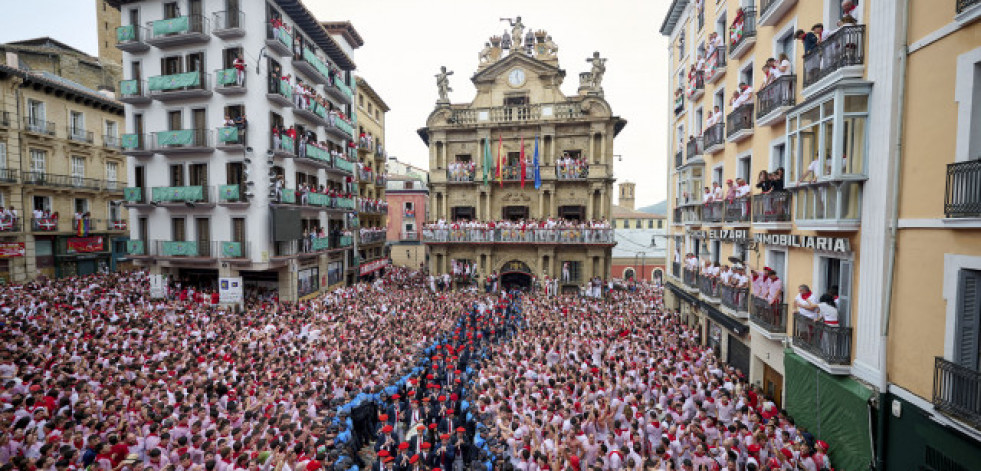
x=516, y=77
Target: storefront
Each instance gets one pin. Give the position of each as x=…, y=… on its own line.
x=80, y=256
x=307, y=281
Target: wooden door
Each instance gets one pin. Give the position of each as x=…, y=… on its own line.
x=773, y=385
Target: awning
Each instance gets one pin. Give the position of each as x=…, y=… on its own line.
x=723, y=320
x=681, y=293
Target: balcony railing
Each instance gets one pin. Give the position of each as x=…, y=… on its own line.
x=690, y=278
x=962, y=196
x=734, y=298
x=843, y=48
x=696, y=85
x=233, y=193
x=181, y=194
x=694, y=148
x=57, y=180
x=713, y=212
x=131, y=38
x=373, y=237
x=505, y=114
x=111, y=142
x=714, y=135
x=691, y=213
x=39, y=126
x=738, y=210
x=739, y=35
x=518, y=236
x=778, y=94
x=831, y=344
x=228, y=24
x=133, y=91
x=772, y=207
x=80, y=135
x=770, y=317
x=574, y=170
x=965, y=4
x=715, y=65
x=117, y=224
x=679, y=104
x=410, y=235
x=708, y=286
x=9, y=224
x=229, y=81
x=184, y=139
x=48, y=224
x=176, y=30
x=740, y=119
x=186, y=248
x=135, y=195
x=679, y=159
x=136, y=144
x=8, y=175
x=162, y=86
x=230, y=136
x=957, y=391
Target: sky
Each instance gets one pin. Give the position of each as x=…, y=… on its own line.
x=400, y=58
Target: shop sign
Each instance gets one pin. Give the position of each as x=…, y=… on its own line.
x=827, y=244
x=12, y=249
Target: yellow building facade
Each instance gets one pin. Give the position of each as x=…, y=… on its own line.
x=518, y=101
x=370, y=112
x=848, y=127
x=60, y=168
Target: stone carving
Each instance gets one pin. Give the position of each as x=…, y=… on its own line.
x=443, y=85
x=506, y=41
x=516, y=197
x=596, y=73
x=517, y=30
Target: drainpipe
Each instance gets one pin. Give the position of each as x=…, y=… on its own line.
x=901, y=56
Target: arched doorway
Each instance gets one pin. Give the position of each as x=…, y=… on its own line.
x=516, y=275
x=657, y=274
x=628, y=274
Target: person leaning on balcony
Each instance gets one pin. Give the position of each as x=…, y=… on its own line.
x=730, y=191
x=239, y=65
x=784, y=65
x=764, y=183
x=804, y=302
x=717, y=194
x=774, y=289
x=810, y=39
x=827, y=312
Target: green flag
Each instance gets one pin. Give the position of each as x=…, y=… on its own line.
x=488, y=160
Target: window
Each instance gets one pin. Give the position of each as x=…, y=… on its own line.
x=3, y=155
x=81, y=205
x=835, y=279
x=39, y=160
x=408, y=206
x=967, y=348
x=42, y=203
x=717, y=174
x=827, y=141
x=777, y=154
x=113, y=211
x=112, y=129
x=777, y=259
x=650, y=224
x=637, y=224
x=112, y=172
x=78, y=167
x=36, y=115
x=690, y=183
x=828, y=201
x=77, y=123
x=744, y=168
x=177, y=229
x=572, y=271
x=746, y=74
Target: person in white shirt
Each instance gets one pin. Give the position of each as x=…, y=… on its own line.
x=804, y=302
x=827, y=312
x=717, y=115
x=813, y=170
x=707, y=197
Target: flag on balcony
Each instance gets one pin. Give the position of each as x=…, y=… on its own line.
x=83, y=227
x=500, y=144
x=488, y=160
x=522, y=162
x=538, y=171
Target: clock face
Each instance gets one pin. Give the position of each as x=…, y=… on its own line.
x=517, y=77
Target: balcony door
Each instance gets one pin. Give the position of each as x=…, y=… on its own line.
x=202, y=227
x=195, y=62
x=36, y=112
x=199, y=175
x=177, y=230
x=573, y=213
x=140, y=173
x=199, y=124
x=238, y=230
x=170, y=65
x=196, y=12
x=515, y=213
x=463, y=213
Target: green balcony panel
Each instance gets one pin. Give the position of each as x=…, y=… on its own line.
x=231, y=249
x=178, y=193
x=133, y=194
x=289, y=196
x=135, y=247
x=175, y=138
x=130, y=141
x=178, y=249
x=226, y=77
x=228, y=192
x=171, y=26
x=228, y=134
x=171, y=82
x=125, y=33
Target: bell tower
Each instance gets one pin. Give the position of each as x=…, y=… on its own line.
x=627, y=195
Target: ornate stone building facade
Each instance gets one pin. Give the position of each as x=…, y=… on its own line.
x=475, y=158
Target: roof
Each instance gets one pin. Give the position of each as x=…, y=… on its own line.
x=48, y=42
x=305, y=21
x=674, y=14
x=71, y=90
x=620, y=212
x=346, y=29
x=363, y=85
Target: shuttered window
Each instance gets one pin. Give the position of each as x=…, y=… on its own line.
x=968, y=319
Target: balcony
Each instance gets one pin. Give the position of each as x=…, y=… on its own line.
x=137, y=145
x=346, y=241
x=694, y=149
x=134, y=92
x=739, y=123
x=714, y=138
x=175, y=87
x=690, y=278
x=9, y=225
x=964, y=5
x=319, y=156
x=231, y=139
x=380, y=180
x=282, y=145
x=828, y=344
x=373, y=237
x=771, y=319
x=735, y=299
x=573, y=170
x=738, y=211
x=410, y=236
x=679, y=104
x=775, y=99
x=136, y=248
x=957, y=391
x=343, y=166
x=184, y=141
x=132, y=38
x=691, y=214
x=522, y=113
x=676, y=270
x=117, y=224
x=314, y=113
x=311, y=66
x=39, y=127
x=517, y=236
x=715, y=65
x=135, y=196
x=79, y=135
x=743, y=37
x=828, y=206
x=111, y=142
x=180, y=31
x=204, y=249
x=713, y=213
x=228, y=24
x=696, y=86
x=709, y=287
x=191, y=196
x=233, y=195
x=44, y=224
x=772, y=10
x=228, y=82
x=60, y=181
x=8, y=175
x=962, y=195
x=112, y=186
x=340, y=91
x=840, y=56
x=278, y=40
x=772, y=210
x=459, y=174
x=339, y=129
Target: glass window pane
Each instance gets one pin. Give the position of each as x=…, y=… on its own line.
x=851, y=198
x=856, y=103
x=791, y=160
x=828, y=128
x=830, y=196
x=854, y=146
x=828, y=109
x=809, y=154
x=810, y=116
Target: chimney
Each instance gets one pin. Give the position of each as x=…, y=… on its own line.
x=627, y=196
x=13, y=60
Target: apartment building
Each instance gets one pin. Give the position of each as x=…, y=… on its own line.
x=241, y=143
x=848, y=131
x=407, y=196
x=373, y=211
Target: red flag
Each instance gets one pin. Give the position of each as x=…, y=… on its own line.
x=522, y=162
x=500, y=143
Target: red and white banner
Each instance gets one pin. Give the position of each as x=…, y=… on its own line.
x=369, y=267
x=12, y=249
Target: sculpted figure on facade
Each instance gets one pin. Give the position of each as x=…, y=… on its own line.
x=443, y=85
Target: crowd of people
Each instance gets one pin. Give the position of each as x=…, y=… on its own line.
x=303, y=191
x=370, y=235
x=571, y=167
x=460, y=171
x=522, y=230
x=372, y=205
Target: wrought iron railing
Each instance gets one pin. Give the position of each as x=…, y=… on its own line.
x=460, y=174
x=54, y=179
x=965, y=4
x=574, y=170
x=162, y=85
x=740, y=119
x=962, y=195
x=771, y=317
x=47, y=224
x=80, y=135
x=708, y=286
x=226, y=20
x=772, y=207
x=39, y=126
x=734, y=298
x=409, y=235
x=691, y=278
x=843, y=48
x=833, y=344
x=9, y=224
x=779, y=93
x=8, y=175
x=679, y=104
x=133, y=89
x=111, y=142
x=373, y=237
x=182, y=139
x=136, y=143
x=679, y=158
x=715, y=63
x=738, y=36
x=694, y=148
x=714, y=135
x=713, y=212
x=130, y=34
x=957, y=391
x=738, y=210
x=519, y=236
x=765, y=6
x=179, y=26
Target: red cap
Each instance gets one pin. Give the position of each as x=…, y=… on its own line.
x=426, y=445
x=404, y=446
x=823, y=444
x=444, y=436
x=461, y=429
x=382, y=453
x=387, y=429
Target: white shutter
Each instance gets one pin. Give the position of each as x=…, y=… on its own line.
x=3, y=155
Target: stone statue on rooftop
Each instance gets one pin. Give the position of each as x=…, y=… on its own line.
x=443, y=85
x=597, y=71
x=517, y=29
